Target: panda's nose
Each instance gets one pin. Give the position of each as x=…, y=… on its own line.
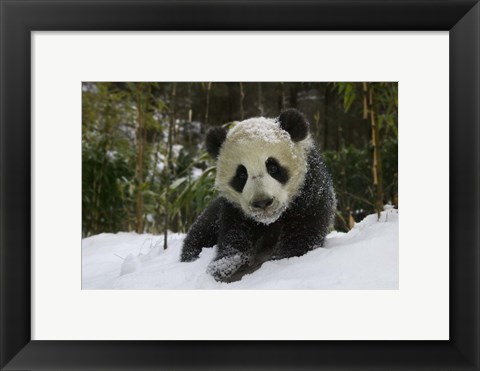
x=262, y=204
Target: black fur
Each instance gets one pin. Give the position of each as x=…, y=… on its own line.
x=215, y=138
x=302, y=227
x=240, y=178
x=204, y=232
x=295, y=123
x=277, y=171
x=308, y=219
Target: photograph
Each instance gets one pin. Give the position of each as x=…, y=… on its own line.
x=240, y=185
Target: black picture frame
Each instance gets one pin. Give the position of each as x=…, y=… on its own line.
x=18, y=18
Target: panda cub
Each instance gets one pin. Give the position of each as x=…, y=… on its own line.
x=276, y=198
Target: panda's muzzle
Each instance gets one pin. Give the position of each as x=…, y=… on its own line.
x=262, y=203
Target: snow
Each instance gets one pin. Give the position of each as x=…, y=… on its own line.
x=176, y=149
x=364, y=258
x=196, y=172
x=259, y=129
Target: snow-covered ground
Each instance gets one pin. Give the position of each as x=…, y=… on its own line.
x=364, y=258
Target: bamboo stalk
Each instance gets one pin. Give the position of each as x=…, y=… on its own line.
x=139, y=161
x=365, y=104
x=282, y=96
x=260, y=104
x=167, y=165
x=190, y=113
x=377, y=159
x=209, y=86
x=242, y=97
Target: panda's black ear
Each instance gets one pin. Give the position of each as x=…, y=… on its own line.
x=295, y=123
x=215, y=138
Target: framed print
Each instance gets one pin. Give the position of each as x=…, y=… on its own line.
x=51, y=60
x=267, y=198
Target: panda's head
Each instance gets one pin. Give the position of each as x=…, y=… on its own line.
x=261, y=163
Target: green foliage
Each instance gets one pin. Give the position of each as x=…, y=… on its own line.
x=390, y=169
x=349, y=91
x=191, y=196
x=106, y=160
x=385, y=97
x=377, y=102
x=351, y=170
x=104, y=180
x=128, y=164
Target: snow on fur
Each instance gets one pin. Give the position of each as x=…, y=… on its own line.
x=364, y=258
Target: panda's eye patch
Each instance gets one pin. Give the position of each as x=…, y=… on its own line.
x=272, y=168
x=276, y=170
x=239, y=179
x=242, y=174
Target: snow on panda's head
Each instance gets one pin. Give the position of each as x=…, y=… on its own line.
x=261, y=163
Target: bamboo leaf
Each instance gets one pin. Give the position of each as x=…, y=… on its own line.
x=177, y=183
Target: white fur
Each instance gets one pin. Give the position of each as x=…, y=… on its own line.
x=250, y=143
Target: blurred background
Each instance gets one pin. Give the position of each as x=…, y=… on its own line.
x=145, y=167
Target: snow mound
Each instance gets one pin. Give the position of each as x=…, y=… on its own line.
x=364, y=258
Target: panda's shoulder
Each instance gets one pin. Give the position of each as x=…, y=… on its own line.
x=316, y=164
x=229, y=210
x=316, y=181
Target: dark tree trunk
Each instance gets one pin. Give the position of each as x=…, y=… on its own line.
x=190, y=114
x=207, y=105
x=281, y=97
x=140, y=141
x=169, y=160
x=293, y=94
x=340, y=131
x=242, y=97
x=325, y=133
x=260, y=100
x=376, y=143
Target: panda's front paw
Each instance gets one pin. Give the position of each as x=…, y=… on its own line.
x=189, y=253
x=284, y=254
x=292, y=251
x=223, y=268
x=278, y=256
x=188, y=256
